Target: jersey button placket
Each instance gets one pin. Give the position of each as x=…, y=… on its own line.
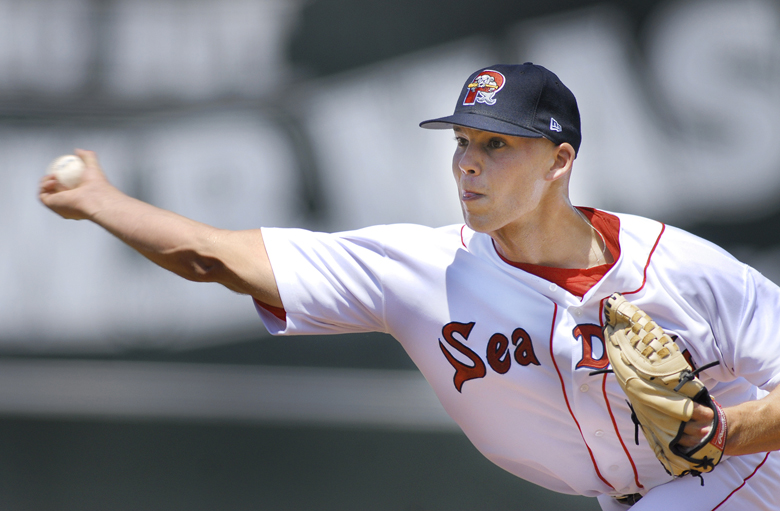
x=587, y=397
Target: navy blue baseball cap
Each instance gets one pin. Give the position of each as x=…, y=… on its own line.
x=524, y=100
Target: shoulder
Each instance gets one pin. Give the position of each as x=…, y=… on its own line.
x=390, y=238
x=697, y=254
x=404, y=235
x=403, y=231
x=667, y=240
x=689, y=269
x=652, y=251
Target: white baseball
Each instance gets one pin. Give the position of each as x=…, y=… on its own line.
x=67, y=169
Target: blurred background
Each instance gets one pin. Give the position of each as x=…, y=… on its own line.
x=123, y=387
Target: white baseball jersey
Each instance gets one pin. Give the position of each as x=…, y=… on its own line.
x=510, y=354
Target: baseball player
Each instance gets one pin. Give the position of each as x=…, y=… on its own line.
x=515, y=316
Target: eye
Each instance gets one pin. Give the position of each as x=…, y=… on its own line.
x=496, y=143
x=461, y=141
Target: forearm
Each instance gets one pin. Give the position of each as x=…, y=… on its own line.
x=192, y=250
x=173, y=242
x=754, y=426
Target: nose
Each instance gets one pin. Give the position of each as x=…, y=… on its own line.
x=468, y=161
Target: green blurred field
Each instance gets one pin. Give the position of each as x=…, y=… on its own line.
x=48, y=465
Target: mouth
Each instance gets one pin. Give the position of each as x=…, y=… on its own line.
x=467, y=195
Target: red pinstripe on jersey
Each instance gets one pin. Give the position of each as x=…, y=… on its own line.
x=743, y=482
x=604, y=381
x=566, y=398
x=647, y=265
x=620, y=438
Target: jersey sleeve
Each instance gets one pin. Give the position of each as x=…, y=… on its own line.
x=731, y=310
x=757, y=350
x=329, y=283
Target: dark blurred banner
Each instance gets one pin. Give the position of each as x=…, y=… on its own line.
x=333, y=36
x=246, y=113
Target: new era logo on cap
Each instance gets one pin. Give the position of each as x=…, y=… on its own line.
x=521, y=100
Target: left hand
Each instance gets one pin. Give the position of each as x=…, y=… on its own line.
x=698, y=427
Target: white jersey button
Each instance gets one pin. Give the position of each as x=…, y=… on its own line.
x=599, y=433
x=553, y=287
x=578, y=312
x=584, y=388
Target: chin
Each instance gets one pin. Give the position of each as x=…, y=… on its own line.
x=479, y=221
x=475, y=225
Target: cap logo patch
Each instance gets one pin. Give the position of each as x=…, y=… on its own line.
x=484, y=87
x=555, y=126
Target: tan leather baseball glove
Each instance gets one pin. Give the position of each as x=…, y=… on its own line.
x=661, y=388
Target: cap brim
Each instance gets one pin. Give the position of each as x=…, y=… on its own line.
x=480, y=122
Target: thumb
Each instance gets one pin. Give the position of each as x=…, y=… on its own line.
x=90, y=160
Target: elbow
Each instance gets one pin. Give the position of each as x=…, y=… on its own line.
x=206, y=269
x=196, y=267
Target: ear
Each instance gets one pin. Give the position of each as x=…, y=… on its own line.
x=563, y=159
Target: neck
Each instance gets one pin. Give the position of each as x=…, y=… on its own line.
x=558, y=237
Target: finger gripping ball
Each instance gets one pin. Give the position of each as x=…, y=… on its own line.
x=67, y=170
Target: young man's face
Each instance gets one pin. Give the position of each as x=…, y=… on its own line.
x=500, y=178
